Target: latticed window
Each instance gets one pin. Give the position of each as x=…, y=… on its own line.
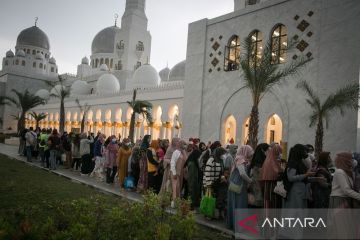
x=119, y=65
x=140, y=46
x=40, y=65
x=17, y=61
x=22, y=63
x=278, y=44
x=232, y=54
x=256, y=48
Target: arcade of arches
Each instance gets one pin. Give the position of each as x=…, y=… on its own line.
x=163, y=125
x=273, y=130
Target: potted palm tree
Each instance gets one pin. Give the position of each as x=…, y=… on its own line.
x=84, y=109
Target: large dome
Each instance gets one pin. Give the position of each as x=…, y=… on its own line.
x=80, y=88
x=33, y=36
x=145, y=76
x=177, y=73
x=43, y=94
x=107, y=84
x=104, y=41
x=164, y=74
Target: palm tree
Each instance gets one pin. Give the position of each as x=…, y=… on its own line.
x=345, y=97
x=24, y=101
x=139, y=107
x=61, y=93
x=84, y=109
x=38, y=117
x=260, y=75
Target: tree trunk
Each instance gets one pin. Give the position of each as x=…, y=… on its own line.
x=62, y=116
x=21, y=122
x=37, y=124
x=253, y=126
x=132, y=128
x=82, y=126
x=319, y=137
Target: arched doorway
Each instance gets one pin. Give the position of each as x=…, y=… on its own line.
x=229, y=129
x=173, y=115
x=157, y=124
x=98, y=125
x=273, y=129
x=89, y=122
x=245, y=131
x=118, y=123
x=108, y=123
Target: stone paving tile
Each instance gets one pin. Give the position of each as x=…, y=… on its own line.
x=11, y=151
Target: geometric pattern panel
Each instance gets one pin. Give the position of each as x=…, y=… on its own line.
x=302, y=45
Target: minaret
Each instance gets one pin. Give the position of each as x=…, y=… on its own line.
x=134, y=15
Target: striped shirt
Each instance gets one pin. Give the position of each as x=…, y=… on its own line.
x=212, y=172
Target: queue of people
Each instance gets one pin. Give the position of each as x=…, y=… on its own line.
x=236, y=176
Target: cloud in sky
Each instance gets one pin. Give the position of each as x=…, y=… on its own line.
x=72, y=25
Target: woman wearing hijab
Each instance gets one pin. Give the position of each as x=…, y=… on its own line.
x=269, y=175
x=143, y=176
x=153, y=163
x=111, y=164
x=255, y=173
x=238, y=198
x=321, y=189
x=342, y=195
x=193, y=180
x=166, y=180
x=177, y=163
x=122, y=160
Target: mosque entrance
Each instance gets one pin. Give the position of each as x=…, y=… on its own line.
x=229, y=129
x=273, y=129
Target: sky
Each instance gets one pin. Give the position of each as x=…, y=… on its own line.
x=71, y=25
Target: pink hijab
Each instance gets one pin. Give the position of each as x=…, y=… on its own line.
x=271, y=167
x=243, y=154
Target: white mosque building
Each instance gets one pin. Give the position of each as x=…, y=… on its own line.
x=200, y=96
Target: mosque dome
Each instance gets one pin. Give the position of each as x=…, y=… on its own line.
x=85, y=61
x=104, y=41
x=145, y=76
x=39, y=56
x=80, y=88
x=177, y=73
x=56, y=90
x=164, y=74
x=52, y=60
x=20, y=53
x=9, y=53
x=107, y=84
x=43, y=94
x=33, y=36
x=104, y=67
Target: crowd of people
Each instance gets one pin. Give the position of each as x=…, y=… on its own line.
x=236, y=176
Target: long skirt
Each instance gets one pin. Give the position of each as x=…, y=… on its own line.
x=271, y=199
x=235, y=201
x=143, y=176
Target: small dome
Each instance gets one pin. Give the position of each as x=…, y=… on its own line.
x=80, y=88
x=43, y=94
x=177, y=73
x=56, y=90
x=107, y=84
x=145, y=76
x=33, y=36
x=20, y=53
x=85, y=61
x=104, y=41
x=39, y=56
x=104, y=67
x=52, y=60
x=164, y=74
x=9, y=53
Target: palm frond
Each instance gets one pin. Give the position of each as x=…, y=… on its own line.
x=313, y=119
x=345, y=98
x=314, y=100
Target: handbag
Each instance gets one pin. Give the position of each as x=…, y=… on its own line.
x=129, y=182
x=207, y=204
x=280, y=189
x=236, y=183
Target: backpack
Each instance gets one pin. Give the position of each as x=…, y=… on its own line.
x=33, y=140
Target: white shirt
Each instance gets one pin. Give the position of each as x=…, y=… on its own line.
x=342, y=186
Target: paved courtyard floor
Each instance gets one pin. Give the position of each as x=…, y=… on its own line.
x=75, y=176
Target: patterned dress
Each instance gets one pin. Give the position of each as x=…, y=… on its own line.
x=143, y=177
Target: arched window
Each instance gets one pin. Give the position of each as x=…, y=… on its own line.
x=232, y=54
x=119, y=65
x=34, y=64
x=278, y=44
x=52, y=69
x=33, y=52
x=101, y=61
x=97, y=63
x=140, y=46
x=23, y=63
x=28, y=51
x=111, y=63
x=44, y=66
x=6, y=62
x=256, y=48
x=17, y=61
x=107, y=62
x=41, y=65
